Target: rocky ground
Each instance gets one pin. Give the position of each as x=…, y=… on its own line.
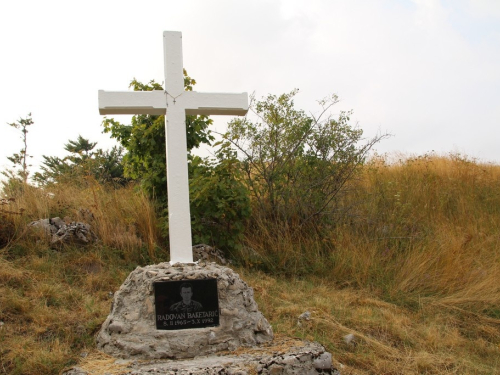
x=282, y=356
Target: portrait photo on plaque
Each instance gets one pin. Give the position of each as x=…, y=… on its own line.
x=186, y=304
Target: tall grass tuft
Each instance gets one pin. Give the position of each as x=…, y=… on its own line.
x=424, y=226
x=122, y=218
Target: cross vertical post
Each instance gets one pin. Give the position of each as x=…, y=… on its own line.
x=179, y=216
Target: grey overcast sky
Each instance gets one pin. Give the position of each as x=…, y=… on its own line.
x=426, y=71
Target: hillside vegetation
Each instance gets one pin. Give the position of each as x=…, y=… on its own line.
x=410, y=266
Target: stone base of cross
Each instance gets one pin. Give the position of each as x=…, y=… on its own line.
x=175, y=104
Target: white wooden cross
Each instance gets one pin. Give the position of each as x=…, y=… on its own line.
x=175, y=103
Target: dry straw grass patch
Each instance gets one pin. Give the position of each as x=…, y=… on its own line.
x=412, y=270
x=123, y=218
x=392, y=339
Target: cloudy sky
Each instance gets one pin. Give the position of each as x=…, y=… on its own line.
x=426, y=71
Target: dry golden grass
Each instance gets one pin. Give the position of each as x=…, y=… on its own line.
x=52, y=302
x=122, y=218
x=424, y=226
x=99, y=363
x=51, y=306
x=389, y=339
x=437, y=219
x=412, y=270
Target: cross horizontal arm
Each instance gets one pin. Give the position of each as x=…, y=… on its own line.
x=198, y=103
x=132, y=102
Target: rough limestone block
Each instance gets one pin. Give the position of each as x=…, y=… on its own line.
x=130, y=329
x=65, y=233
x=283, y=356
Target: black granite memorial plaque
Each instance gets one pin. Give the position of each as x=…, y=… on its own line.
x=186, y=304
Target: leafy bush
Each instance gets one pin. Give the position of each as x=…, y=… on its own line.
x=219, y=200
x=296, y=166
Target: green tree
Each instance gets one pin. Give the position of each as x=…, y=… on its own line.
x=296, y=166
x=81, y=149
x=20, y=172
x=220, y=202
x=83, y=161
x=144, y=140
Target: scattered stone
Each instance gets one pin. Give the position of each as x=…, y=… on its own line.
x=123, y=362
x=57, y=222
x=44, y=224
x=323, y=362
x=76, y=371
x=350, y=339
x=304, y=316
x=207, y=254
x=61, y=232
x=130, y=330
